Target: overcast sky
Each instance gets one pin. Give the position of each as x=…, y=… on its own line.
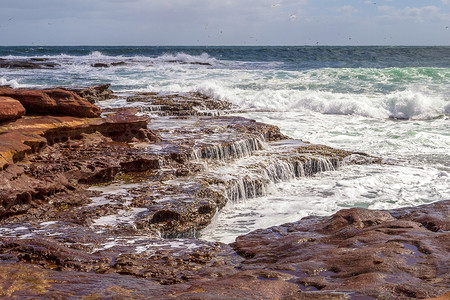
x=224, y=22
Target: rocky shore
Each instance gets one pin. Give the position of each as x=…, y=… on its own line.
x=108, y=205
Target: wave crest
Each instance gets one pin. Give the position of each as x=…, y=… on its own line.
x=12, y=83
x=182, y=57
x=398, y=105
x=411, y=105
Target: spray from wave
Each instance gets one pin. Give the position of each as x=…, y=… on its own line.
x=12, y=83
x=398, y=105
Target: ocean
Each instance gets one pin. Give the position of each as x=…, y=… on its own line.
x=391, y=102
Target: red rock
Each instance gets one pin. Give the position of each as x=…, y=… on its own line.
x=30, y=134
x=52, y=102
x=10, y=109
x=396, y=254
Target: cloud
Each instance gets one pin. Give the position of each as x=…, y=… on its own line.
x=347, y=10
x=417, y=14
x=182, y=22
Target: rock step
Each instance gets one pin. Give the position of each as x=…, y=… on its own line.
x=180, y=207
x=178, y=104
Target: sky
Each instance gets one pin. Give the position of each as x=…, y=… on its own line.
x=224, y=22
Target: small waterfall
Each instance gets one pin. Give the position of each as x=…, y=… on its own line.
x=151, y=108
x=267, y=173
x=246, y=188
x=236, y=149
x=280, y=171
x=315, y=165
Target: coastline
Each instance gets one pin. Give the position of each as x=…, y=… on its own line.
x=57, y=208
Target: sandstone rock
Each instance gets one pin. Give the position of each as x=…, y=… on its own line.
x=391, y=259
x=10, y=109
x=52, y=102
x=60, y=146
x=59, y=239
x=380, y=254
x=94, y=94
x=28, y=135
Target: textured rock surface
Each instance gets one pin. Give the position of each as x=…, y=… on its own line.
x=52, y=102
x=353, y=254
x=180, y=104
x=108, y=208
x=32, y=63
x=396, y=254
x=94, y=94
x=10, y=109
x=30, y=134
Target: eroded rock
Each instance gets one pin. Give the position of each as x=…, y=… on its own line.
x=110, y=207
x=10, y=109
x=381, y=254
x=52, y=102
x=180, y=104
x=94, y=94
x=32, y=63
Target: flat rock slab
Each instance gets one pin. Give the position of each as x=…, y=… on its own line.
x=28, y=135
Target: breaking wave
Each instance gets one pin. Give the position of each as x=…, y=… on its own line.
x=12, y=83
x=99, y=56
x=406, y=104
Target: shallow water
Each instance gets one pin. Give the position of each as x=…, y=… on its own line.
x=416, y=171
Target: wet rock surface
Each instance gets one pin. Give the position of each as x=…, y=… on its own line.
x=111, y=207
x=32, y=63
x=94, y=94
x=381, y=254
x=179, y=104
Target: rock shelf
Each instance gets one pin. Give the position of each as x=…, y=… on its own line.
x=111, y=207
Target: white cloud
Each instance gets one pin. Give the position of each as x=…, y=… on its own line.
x=347, y=10
x=417, y=14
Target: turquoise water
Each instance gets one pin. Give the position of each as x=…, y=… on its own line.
x=392, y=102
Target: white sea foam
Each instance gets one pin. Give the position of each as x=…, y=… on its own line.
x=407, y=104
x=372, y=186
x=97, y=56
x=12, y=83
x=410, y=93
x=183, y=57
x=350, y=108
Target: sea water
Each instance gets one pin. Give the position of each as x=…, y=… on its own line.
x=392, y=102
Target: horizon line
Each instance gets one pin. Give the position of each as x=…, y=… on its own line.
x=305, y=45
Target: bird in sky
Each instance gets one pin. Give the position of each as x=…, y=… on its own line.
x=292, y=17
x=276, y=5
